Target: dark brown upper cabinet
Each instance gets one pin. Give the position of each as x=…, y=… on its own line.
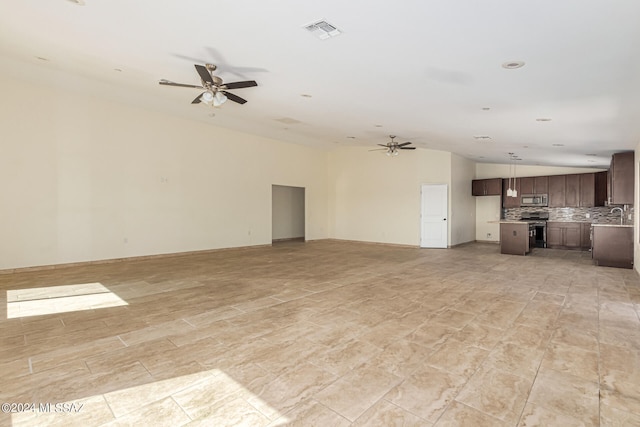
x=486, y=187
x=621, y=191
x=572, y=191
x=587, y=190
x=601, y=188
x=557, y=190
x=511, y=202
x=534, y=184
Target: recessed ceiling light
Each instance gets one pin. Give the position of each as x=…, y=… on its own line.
x=525, y=146
x=591, y=155
x=78, y=2
x=557, y=145
x=486, y=108
x=305, y=95
x=118, y=70
x=322, y=29
x=481, y=137
x=512, y=65
x=42, y=58
x=543, y=119
x=378, y=126
x=591, y=161
x=351, y=137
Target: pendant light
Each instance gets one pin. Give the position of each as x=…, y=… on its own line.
x=515, y=192
x=512, y=192
x=509, y=190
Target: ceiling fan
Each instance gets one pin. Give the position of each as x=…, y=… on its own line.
x=215, y=91
x=393, y=147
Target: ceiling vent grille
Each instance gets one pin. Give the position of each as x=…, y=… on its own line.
x=322, y=30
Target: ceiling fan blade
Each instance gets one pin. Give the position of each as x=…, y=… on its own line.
x=234, y=98
x=204, y=73
x=403, y=144
x=379, y=149
x=383, y=145
x=407, y=148
x=240, y=85
x=197, y=100
x=169, y=83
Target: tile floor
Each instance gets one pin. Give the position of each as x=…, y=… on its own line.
x=325, y=334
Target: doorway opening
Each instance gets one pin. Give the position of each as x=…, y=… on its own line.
x=287, y=213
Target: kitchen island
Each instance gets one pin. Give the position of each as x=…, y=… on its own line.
x=514, y=237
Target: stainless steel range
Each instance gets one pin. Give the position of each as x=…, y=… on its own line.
x=537, y=228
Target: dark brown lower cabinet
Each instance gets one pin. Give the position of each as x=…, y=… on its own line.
x=613, y=246
x=564, y=235
x=514, y=238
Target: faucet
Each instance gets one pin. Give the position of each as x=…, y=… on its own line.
x=621, y=213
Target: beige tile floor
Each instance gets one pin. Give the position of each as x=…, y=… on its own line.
x=325, y=334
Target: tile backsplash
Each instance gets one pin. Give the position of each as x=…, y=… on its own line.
x=599, y=215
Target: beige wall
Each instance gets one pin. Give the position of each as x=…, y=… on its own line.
x=463, y=205
x=85, y=179
x=488, y=207
x=376, y=198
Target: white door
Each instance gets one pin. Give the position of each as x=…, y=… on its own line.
x=434, y=216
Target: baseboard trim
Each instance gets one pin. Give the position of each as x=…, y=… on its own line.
x=365, y=242
x=289, y=239
x=125, y=259
x=497, y=242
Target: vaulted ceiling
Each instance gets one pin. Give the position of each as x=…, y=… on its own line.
x=431, y=72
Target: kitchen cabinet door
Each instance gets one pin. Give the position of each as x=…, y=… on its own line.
x=622, y=178
x=601, y=188
x=486, y=187
x=527, y=185
x=554, y=236
x=572, y=235
x=493, y=187
x=541, y=185
x=564, y=235
x=477, y=187
x=572, y=191
x=587, y=190
x=557, y=191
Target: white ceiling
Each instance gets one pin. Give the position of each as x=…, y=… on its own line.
x=419, y=69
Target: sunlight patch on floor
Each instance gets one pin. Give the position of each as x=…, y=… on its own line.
x=209, y=396
x=60, y=299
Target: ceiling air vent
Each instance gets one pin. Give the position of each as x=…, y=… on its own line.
x=322, y=30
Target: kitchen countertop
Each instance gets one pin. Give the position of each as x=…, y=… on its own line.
x=611, y=225
x=506, y=221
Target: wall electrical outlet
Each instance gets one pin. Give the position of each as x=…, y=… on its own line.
x=588, y=215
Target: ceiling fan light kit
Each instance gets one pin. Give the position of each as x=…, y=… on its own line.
x=215, y=90
x=393, y=148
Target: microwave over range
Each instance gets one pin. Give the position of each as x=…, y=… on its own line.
x=534, y=200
